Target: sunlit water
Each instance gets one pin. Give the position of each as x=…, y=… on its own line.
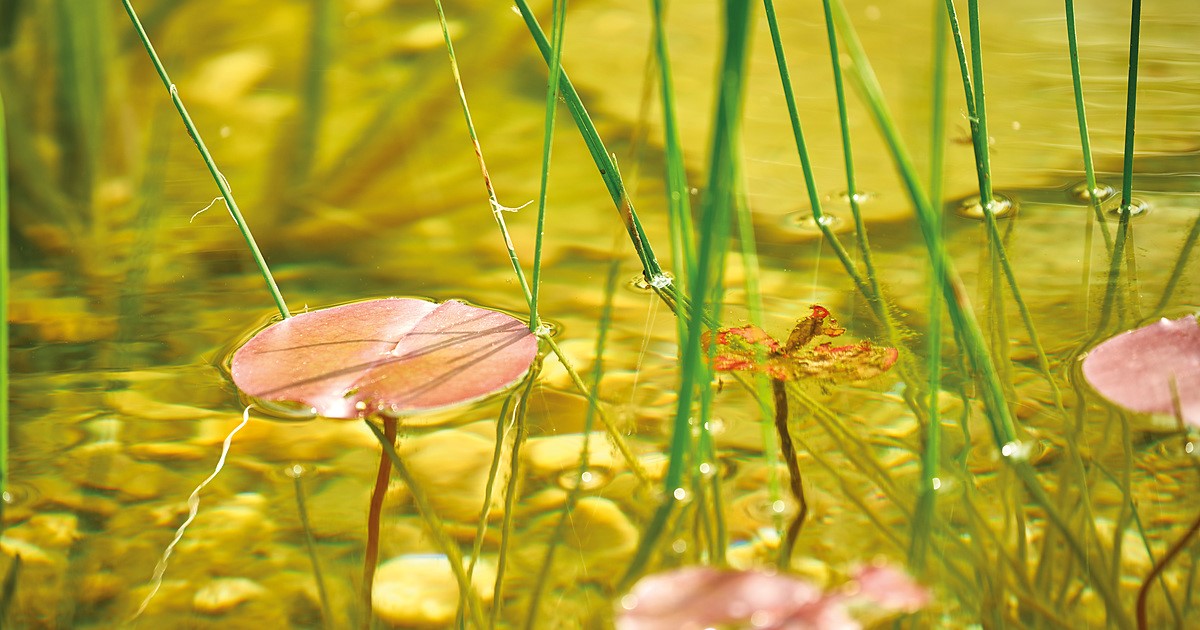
x=126, y=304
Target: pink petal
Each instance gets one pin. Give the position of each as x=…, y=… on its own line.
x=1135, y=369
x=890, y=588
x=700, y=597
x=394, y=355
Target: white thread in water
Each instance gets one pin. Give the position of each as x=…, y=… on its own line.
x=201, y=210
x=193, y=507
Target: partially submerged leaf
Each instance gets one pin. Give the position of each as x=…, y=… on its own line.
x=751, y=349
x=745, y=348
x=703, y=597
x=393, y=356
x=1145, y=369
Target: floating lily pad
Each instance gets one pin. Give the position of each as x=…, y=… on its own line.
x=393, y=356
x=1144, y=370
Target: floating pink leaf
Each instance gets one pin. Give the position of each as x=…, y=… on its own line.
x=393, y=356
x=1136, y=369
x=703, y=597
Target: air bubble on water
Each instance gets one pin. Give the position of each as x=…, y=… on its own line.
x=680, y=494
x=1189, y=448
x=779, y=507
x=679, y=546
x=936, y=483
x=1017, y=450
x=1137, y=208
x=1102, y=192
x=360, y=406
x=860, y=197
x=714, y=426
x=707, y=469
x=587, y=480
x=629, y=602
x=1000, y=207
x=807, y=222
x=661, y=281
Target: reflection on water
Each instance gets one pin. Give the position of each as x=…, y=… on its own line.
x=125, y=302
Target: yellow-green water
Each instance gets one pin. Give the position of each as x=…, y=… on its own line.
x=125, y=301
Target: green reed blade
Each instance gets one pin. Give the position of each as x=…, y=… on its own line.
x=310, y=544
x=558, y=28
x=511, y=492
x=502, y=427
x=603, y=326
x=4, y=297
x=683, y=249
x=979, y=127
x=82, y=50
x=860, y=230
x=1085, y=142
x=705, y=273
x=1135, y=30
x=498, y=210
x=923, y=517
x=762, y=384
x=604, y=162
x=222, y=185
x=814, y=198
x=312, y=105
x=973, y=344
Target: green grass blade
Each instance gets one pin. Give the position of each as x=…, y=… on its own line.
x=556, y=33
x=312, y=106
x=683, y=249
x=511, y=493
x=923, y=517
x=979, y=127
x=1135, y=30
x=604, y=162
x=814, y=198
x=1085, y=143
x=498, y=210
x=222, y=185
x=860, y=230
x=589, y=421
x=705, y=274
x=973, y=344
x=4, y=297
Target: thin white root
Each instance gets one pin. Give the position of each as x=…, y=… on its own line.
x=201, y=210
x=193, y=507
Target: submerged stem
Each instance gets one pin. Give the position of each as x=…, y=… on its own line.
x=371, y=554
x=310, y=544
x=796, y=483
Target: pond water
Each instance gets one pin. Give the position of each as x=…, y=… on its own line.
x=346, y=149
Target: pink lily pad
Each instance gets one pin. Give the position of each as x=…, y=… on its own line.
x=703, y=597
x=1135, y=369
x=393, y=356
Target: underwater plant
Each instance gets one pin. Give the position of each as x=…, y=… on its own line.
x=1153, y=369
x=750, y=349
